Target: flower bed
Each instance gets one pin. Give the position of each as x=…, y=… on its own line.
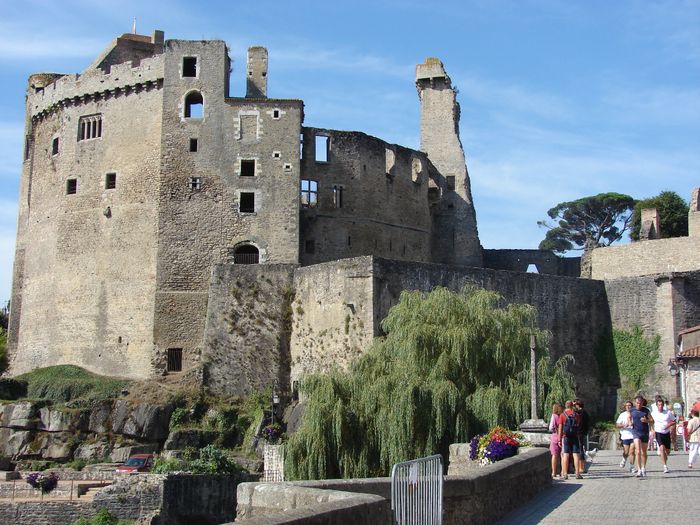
x=44, y=482
x=498, y=444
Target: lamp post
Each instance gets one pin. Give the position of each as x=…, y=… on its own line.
x=275, y=398
x=534, y=429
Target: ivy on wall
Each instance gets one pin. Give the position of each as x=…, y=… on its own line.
x=626, y=358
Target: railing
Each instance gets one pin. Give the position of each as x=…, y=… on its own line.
x=416, y=492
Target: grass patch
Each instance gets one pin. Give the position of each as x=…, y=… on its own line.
x=65, y=383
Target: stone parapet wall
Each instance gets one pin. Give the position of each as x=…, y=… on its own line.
x=679, y=254
x=73, y=87
x=469, y=498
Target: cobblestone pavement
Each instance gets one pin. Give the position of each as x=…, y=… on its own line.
x=612, y=495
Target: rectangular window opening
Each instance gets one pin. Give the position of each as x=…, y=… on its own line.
x=54, y=147
x=247, y=168
x=195, y=183
x=90, y=127
x=450, y=179
x=110, y=181
x=321, y=148
x=276, y=154
x=27, y=147
x=189, y=66
x=310, y=246
x=276, y=113
x=337, y=196
x=309, y=193
x=174, y=359
x=71, y=186
x=194, y=145
x=247, y=203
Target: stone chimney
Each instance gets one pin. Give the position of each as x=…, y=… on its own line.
x=650, y=225
x=694, y=214
x=256, y=72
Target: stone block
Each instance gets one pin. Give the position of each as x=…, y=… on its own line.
x=62, y=451
x=148, y=421
x=99, y=417
x=119, y=415
x=121, y=454
x=88, y=451
x=14, y=440
x=19, y=415
x=56, y=420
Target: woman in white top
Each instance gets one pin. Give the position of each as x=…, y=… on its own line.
x=624, y=423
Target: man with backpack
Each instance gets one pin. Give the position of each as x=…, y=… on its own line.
x=569, y=440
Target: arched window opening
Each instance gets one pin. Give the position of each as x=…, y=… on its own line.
x=193, y=105
x=246, y=254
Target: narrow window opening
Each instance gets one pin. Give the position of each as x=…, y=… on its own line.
x=416, y=169
x=450, y=179
x=301, y=146
x=194, y=104
x=247, y=203
x=247, y=168
x=403, y=250
x=110, y=181
x=349, y=241
x=337, y=196
x=309, y=193
x=321, y=148
x=310, y=246
x=276, y=154
x=90, y=127
x=390, y=161
x=287, y=167
x=189, y=67
x=54, y=148
x=276, y=113
x=194, y=145
x=532, y=268
x=195, y=183
x=174, y=359
x=27, y=147
x=119, y=339
x=71, y=186
x=390, y=246
x=246, y=254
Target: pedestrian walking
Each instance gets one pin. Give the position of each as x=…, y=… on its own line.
x=569, y=440
x=692, y=436
x=624, y=423
x=554, y=446
x=641, y=419
x=663, y=421
x=582, y=432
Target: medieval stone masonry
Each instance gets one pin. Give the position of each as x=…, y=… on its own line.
x=166, y=225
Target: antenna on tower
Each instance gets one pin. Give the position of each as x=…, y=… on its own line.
x=134, y=31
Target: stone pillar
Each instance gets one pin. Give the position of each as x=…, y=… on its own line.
x=650, y=225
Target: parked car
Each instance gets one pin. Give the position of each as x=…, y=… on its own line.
x=137, y=463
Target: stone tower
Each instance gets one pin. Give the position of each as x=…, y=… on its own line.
x=455, y=236
x=256, y=77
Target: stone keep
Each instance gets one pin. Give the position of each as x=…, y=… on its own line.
x=141, y=173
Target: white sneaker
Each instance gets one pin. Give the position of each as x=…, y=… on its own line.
x=639, y=473
x=658, y=451
x=623, y=462
x=631, y=468
x=644, y=472
x=665, y=469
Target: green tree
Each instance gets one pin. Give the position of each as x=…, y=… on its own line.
x=587, y=223
x=673, y=215
x=451, y=365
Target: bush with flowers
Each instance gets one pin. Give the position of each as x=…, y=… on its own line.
x=498, y=444
x=44, y=482
x=272, y=432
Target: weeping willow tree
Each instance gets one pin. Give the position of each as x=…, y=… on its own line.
x=450, y=365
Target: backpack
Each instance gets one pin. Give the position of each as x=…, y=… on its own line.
x=570, y=426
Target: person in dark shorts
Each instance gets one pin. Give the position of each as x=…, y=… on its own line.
x=569, y=443
x=583, y=433
x=663, y=421
x=624, y=423
x=641, y=418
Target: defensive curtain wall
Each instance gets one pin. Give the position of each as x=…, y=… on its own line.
x=338, y=307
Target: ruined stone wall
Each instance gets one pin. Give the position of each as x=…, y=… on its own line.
x=657, y=256
x=248, y=325
x=85, y=261
x=333, y=315
x=200, y=218
x=661, y=304
x=574, y=310
x=372, y=199
x=545, y=262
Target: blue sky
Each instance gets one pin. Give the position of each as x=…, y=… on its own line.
x=560, y=99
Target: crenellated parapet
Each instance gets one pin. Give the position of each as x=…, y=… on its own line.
x=48, y=92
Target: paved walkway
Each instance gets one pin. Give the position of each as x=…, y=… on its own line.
x=611, y=495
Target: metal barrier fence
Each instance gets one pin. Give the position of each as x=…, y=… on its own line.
x=416, y=492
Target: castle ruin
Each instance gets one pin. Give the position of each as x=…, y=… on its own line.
x=165, y=225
